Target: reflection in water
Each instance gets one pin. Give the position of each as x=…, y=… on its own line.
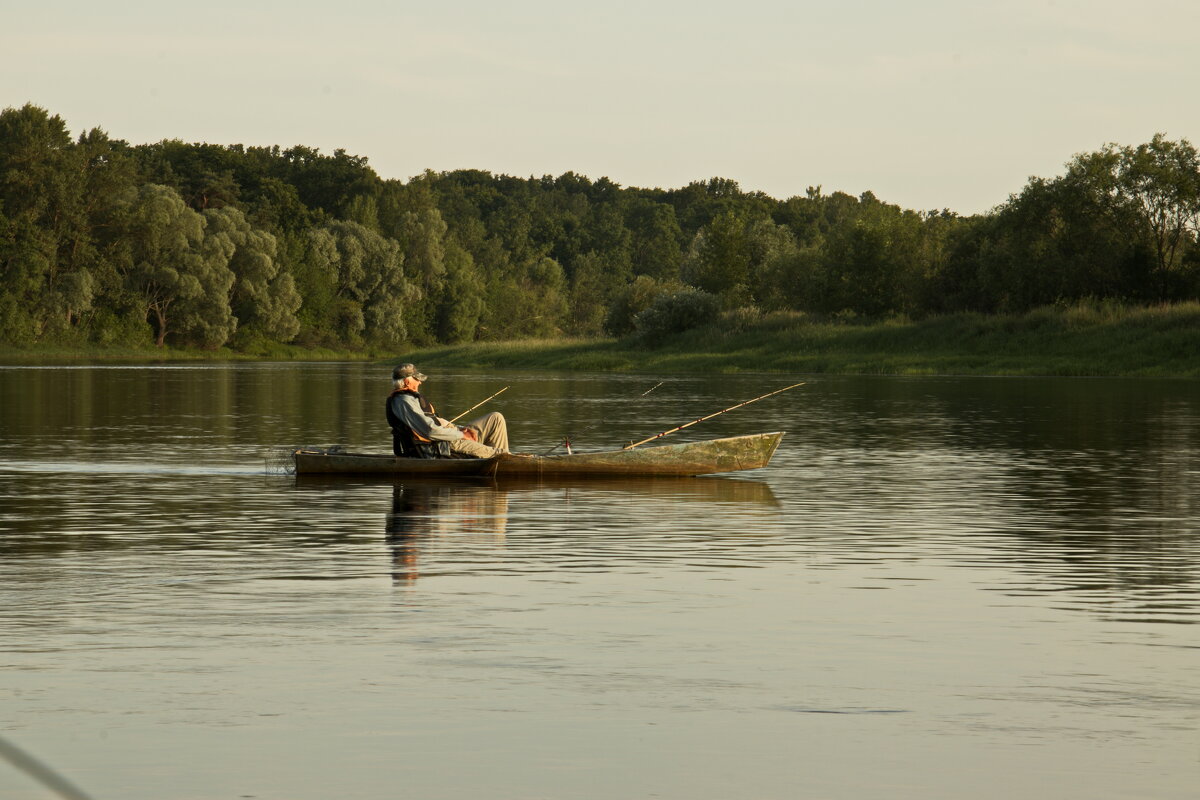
x=704, y=489
x=424, y=511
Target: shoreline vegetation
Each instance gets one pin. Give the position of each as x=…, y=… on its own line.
x=1083, y=339
x=176, y=251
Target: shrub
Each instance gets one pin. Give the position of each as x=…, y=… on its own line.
x=637, y=297
x=676, y=313
x=117, y=327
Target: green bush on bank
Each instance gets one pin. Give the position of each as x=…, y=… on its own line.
x=675, y=313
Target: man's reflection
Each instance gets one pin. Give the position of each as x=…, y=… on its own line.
x=424, y=514
x=447, y=514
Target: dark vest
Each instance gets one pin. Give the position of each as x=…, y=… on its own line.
x=406, y=442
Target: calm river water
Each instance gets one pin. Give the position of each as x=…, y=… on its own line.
x=940, y=588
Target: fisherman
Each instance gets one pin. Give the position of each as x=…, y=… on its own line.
x=417, y=430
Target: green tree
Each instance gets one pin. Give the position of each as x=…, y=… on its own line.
x=718, y=261
x=530, y=301
x=544, y=299
x=802, y=216
x=766, y=243
x=24, y=264
x=264, y=299
x=871, y=263
x=656, y=239
x=108, y=175
x=1150, y=192
x=729, y=257
x=461, y=305
x=422, y=237
x=275, y=206
x=42, y=183
x=1054, y=242
x=595, y=285
x=363, y=209
x=312, y=258
x=634, y=299
x=328, y=183
x=793, y=280
x=373, y=295
x=182, y=278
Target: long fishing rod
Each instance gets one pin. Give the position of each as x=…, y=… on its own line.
x=477, y=405
x=567, y=439
x=40, y=772
x=710, y=416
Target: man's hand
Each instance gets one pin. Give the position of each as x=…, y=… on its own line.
x=469, y=433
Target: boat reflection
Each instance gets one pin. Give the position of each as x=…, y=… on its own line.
x=424, y=512
x=453, y=517
x=432, y=513
x=698, y=489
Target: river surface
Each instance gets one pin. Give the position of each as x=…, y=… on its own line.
x=940, y=588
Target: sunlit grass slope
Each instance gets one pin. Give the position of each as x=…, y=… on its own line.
x=1078, y=340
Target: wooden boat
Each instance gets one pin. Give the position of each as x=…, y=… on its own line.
x=338, y=462
x=689, y=458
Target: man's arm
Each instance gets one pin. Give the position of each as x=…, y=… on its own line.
x=408, y=409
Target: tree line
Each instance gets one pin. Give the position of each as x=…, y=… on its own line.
x=203, y=245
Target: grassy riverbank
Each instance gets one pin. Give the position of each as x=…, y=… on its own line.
x=63, y=354
x=1078, y=340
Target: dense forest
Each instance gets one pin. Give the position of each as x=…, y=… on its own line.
x=202, y=245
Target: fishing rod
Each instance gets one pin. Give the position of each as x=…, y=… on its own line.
x=477, y=405
x=567, y=439
x=710, y=416
x=40, y=772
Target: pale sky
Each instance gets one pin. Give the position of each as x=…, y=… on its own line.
x=929, y=104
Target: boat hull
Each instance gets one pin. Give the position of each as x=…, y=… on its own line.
x=690, y=458
x=322, y=462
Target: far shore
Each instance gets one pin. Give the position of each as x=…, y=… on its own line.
x=1073, y=341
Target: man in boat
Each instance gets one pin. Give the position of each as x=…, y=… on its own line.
x=418, y=431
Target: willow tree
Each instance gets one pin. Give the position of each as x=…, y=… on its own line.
x=373, y=294
x=264, y=298
x=182, y=280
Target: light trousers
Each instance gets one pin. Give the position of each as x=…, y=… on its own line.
x=493, y=437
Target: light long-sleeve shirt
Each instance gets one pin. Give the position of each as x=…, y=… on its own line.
x=408, y=409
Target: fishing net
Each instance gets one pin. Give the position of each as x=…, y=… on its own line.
x=280, y=460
